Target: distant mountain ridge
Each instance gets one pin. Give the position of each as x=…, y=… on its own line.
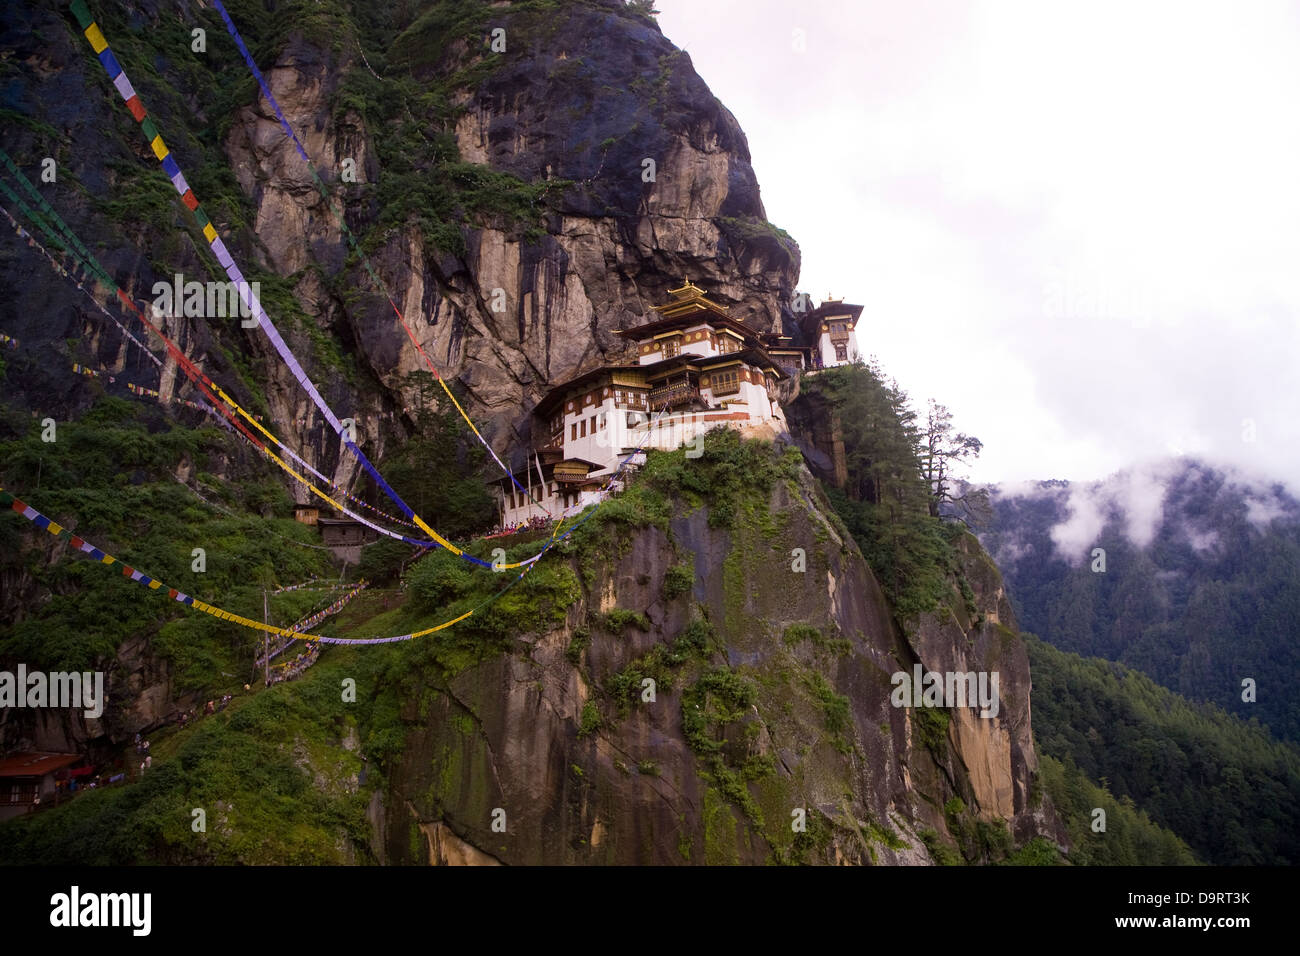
x=1201, y=581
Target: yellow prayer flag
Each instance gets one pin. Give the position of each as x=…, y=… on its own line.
x=97, y=41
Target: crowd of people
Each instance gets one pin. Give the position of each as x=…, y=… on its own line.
x=535, y=523
x=294, y=668
x=66, y=786
x=183, y=718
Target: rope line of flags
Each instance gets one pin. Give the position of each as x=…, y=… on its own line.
x=356, y=246
x=167, y=160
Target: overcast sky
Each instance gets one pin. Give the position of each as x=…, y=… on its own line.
x=1075, y=224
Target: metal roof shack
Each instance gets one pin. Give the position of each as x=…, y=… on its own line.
x=24, y=775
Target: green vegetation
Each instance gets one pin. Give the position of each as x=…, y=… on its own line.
x=659, y=664
x=270, y=773
x=264, y=757
x=1130, y=838
x=797, y=633
x=1220, y=783
x=442, y=584
x=618, y=618
x=108, y=477
x=580, y=641
x=678, y=580
x=642, y=8
x=1211, y=600
x=835, y=711
x=978, y=840
x=886, y=503
x=943, y=853
x=751, y=229
x=439, y=471
x=729, y=475
x=410, y=116
x=932, y=728
x=717, y=701
x=719, y=697
x=590, y=722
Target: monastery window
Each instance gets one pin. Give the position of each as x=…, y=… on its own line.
x=583, y=433
x=841, y=352
x=573, y=436
x=723, y=383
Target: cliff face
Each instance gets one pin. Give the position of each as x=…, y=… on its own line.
x=772, y=699
x=584, y=96
x=594, y=98
x=538, y=740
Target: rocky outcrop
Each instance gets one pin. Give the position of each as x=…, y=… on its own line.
x=509, y=756
x=775, y=738
x=816, y=428
x=515, y=315
x=585, y=93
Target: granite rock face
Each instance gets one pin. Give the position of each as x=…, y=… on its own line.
x=596, y=100
x=588, y=93
x=654, y=185
x=505, y=740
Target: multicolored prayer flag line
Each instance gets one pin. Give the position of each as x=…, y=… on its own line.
x=119, y=79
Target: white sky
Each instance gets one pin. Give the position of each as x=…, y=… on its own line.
x=1075, y=224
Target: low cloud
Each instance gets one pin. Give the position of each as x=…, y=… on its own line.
x=1134, y=501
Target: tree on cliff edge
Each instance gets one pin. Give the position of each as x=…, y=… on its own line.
x=941, y=453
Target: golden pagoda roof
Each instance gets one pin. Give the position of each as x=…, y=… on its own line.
x=687, y=299
x=687, y=288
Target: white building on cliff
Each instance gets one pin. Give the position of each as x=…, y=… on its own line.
x=696, y=368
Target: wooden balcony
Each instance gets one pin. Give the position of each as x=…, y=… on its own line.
x=574, y=474
x=673, y=395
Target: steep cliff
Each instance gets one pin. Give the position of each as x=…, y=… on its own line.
x=771, y=648
x=506, y=197
x=531, y=732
